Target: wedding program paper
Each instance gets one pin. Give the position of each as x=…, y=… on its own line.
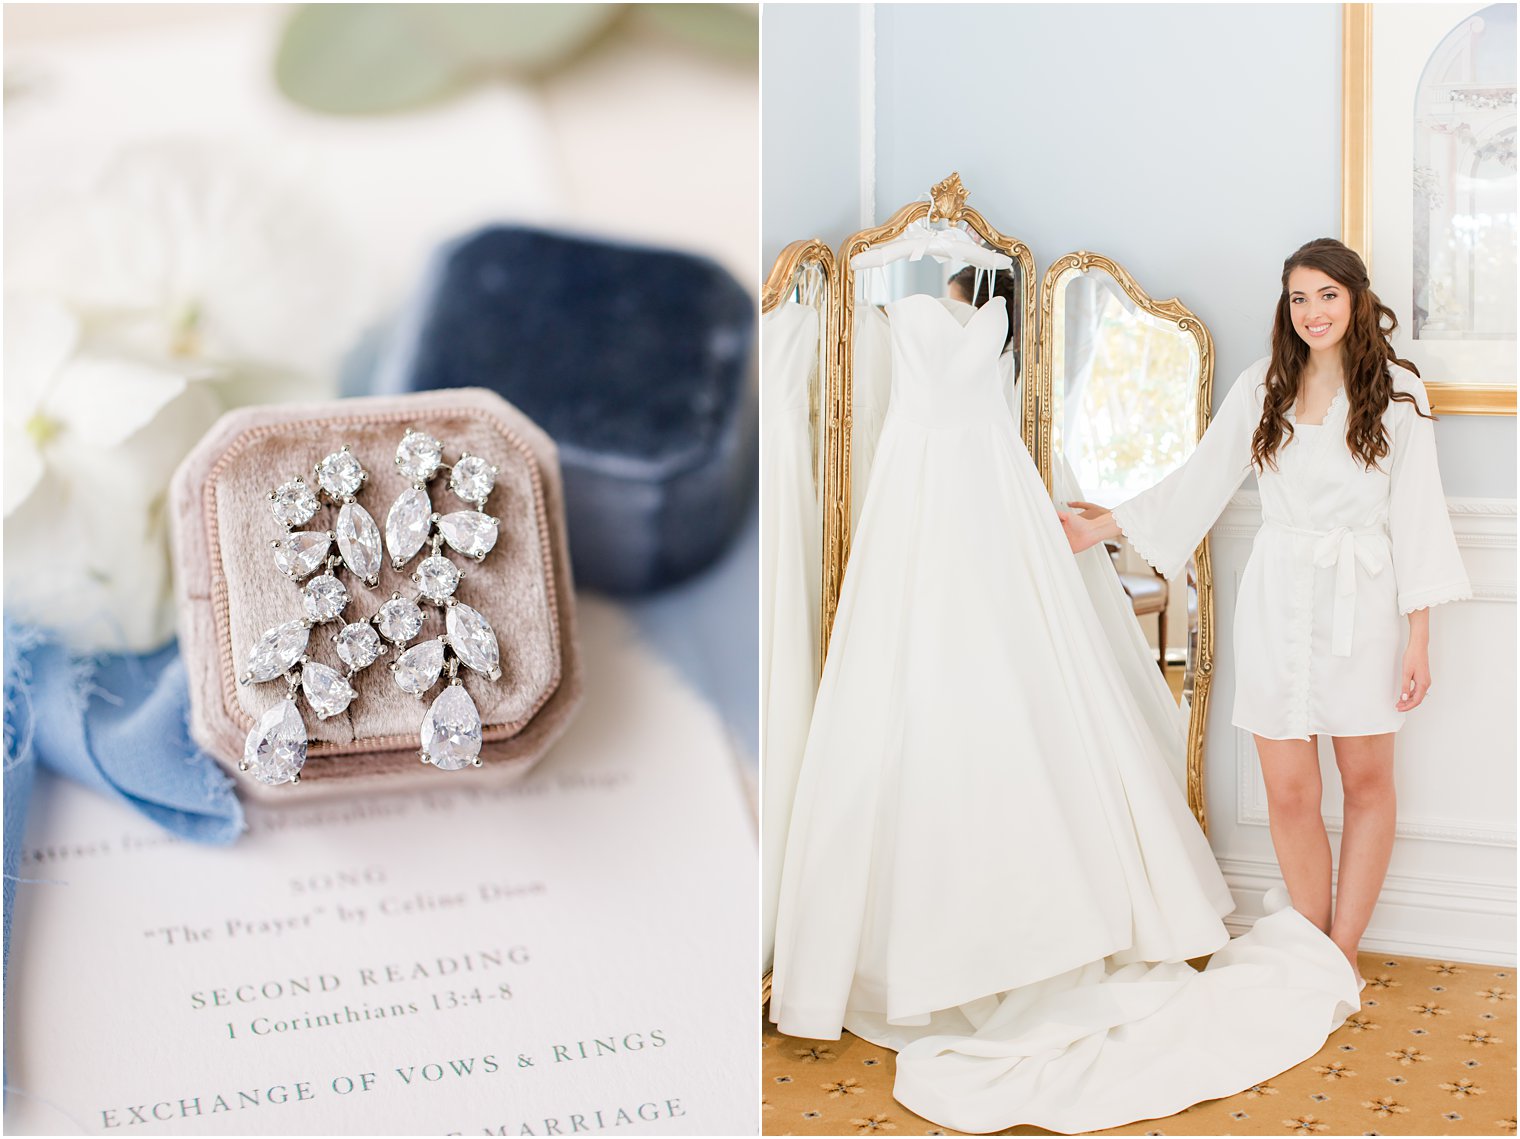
x=571, y=955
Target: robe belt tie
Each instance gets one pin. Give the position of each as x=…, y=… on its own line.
x=1343, y=547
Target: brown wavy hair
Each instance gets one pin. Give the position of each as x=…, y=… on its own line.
x=1366, y=352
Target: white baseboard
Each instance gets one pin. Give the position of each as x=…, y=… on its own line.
x=1475, y=922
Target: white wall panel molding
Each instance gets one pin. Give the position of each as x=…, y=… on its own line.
x=1251, y=810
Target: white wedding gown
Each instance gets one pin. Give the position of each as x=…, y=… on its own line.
x=990, y=866
x=791, y=544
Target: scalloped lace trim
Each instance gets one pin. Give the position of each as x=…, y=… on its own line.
x=1337, y=401
x=1145, y=550
x=1439, y=595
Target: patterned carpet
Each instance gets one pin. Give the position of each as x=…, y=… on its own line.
x=1432, y=1052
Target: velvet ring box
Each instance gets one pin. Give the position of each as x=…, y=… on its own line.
x=229, y=590
x=637, y=361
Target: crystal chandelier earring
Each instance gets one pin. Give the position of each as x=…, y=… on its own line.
x=275, y=750
x=451, y=728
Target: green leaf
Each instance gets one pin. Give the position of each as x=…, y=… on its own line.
x=523, y=39
x=364, y=59
x=728, y=29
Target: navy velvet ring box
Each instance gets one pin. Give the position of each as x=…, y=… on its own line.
x=638, y=362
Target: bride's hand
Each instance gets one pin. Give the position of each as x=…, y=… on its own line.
x=1089, y=509
x=1082, y=533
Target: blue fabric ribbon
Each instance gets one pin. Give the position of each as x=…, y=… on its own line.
x=117, y=723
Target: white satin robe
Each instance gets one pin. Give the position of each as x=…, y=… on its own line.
x=1343, y=553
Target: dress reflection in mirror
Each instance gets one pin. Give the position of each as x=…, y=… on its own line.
x=792, y=374
x=873, y=391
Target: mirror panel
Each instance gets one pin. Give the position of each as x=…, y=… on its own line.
x=1126, y=383
x=797, y=326
x=1123, y=404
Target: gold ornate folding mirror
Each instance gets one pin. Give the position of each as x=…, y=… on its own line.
x=1134, y=395
x=1125, y=391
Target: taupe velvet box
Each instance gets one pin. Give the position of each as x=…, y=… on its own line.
x=229, y=592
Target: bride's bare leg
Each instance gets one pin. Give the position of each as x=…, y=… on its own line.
x=1366, y=767
x=1290, y=769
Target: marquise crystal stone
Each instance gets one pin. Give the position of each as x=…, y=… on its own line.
x=437, y=578
x=301, y=552
x=418, y=669
x=473, y=640
x=469, y=531
x=472, y=479
x=340, y=474
x=276, y=748
x=406, y=526
x=399, y=620
x=359, y=645
x=293, y=504
x=324, y=597
x=359, y=542
x=277, y=650
x=418, y=455
x=451, y=730
x=325, y=689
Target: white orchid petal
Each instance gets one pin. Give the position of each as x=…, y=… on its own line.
x=40, y=335
x=107, y=401
x=23, y=466
x=112, y=592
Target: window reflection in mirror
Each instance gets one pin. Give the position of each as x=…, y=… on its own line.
x=1123, y=416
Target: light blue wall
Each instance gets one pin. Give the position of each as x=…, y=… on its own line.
x=1197, y=145
x=809, y=124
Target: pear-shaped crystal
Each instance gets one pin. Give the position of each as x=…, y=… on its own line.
x=358, y=645
x=325, y=689
x=293, y=504
x=301, y=552
x=340, y=474
x=276, y=748
x=359, y=542
x=451, y=730
x=406, y=526
x=418, y=669
x=437, y=578
x=277, y=650
x=324, y=597
x=472, y=479
x=418, y=456
x=473, y=640
x=469, y=531
x=399, y=620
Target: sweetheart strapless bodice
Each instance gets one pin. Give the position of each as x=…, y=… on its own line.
x=945, y=373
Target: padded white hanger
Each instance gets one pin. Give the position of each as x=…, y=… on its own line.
x=921, y=240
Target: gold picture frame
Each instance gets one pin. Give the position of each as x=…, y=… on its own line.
x=1458, y=398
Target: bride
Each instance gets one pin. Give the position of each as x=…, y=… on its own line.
x=990, y=867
